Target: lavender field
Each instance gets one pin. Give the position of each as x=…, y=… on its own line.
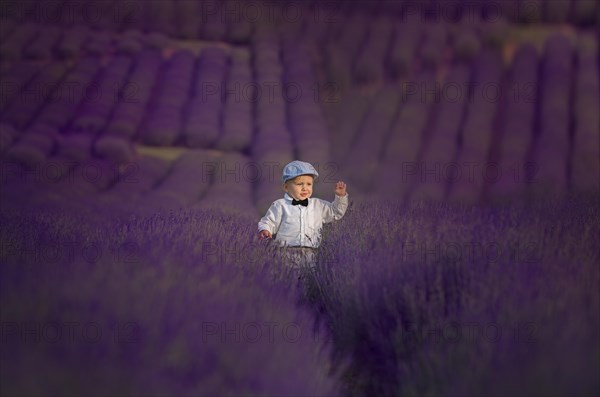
x=141, y=141
x=432, y=300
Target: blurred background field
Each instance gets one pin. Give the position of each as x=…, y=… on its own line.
x=475, y=102
x=140, y=141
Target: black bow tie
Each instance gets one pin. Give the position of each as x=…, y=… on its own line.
x=301, y=202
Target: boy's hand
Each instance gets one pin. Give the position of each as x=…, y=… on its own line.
x=264, y=234
x=340, y=188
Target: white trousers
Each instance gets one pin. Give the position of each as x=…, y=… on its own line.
x=301, y=259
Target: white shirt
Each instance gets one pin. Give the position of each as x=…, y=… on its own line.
x=300, y=226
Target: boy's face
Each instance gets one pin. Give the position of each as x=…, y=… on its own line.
x=300, y=187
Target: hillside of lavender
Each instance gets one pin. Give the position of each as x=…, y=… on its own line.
x=141, y=141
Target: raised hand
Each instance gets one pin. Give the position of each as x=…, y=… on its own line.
x=340, y=188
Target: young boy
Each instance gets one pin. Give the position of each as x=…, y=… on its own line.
x=296, y=220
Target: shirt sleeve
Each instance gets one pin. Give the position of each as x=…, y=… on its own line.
x=272, y=219
x=335, y=211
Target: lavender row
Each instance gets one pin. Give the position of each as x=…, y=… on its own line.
x=551, y=151
x=164, y=118
x=70, y=93
x=432, y=49
x=93, y=115
x=369, y=63
x=115, y=92
x=304, y=115
x=479, y=126
x=585, y=170
x=353, y=34
x=403, y=48
x=337, y=66
x=272, y=141
x=398, y=171
x=42, y=42
x=577, y=12
x=518, y=123
x=204, y=111
x=466, y=44
x=15, y=80
x=32, y=147
x=441, y=144
x=237, y=119
x=370, y=141
x=183, y=20
x=233, y=21
x=18, y=38
x=23, y=110
x=348, y=114
x=130, y=110
x=8, y=134
x=41, y=47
